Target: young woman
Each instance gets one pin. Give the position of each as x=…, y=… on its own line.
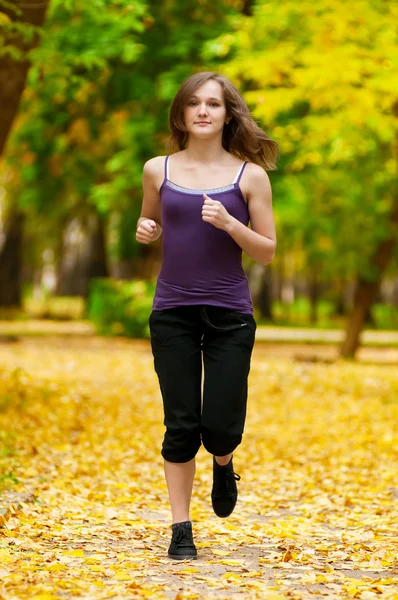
x=203, y=197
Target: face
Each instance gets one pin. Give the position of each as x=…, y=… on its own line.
x=205, y=112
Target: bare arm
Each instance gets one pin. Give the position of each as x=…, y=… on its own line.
x=149, y=226
x=259, y=242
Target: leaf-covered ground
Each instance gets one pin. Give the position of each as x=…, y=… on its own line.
x=81, y=427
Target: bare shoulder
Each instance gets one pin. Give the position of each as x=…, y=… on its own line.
x=154, y=165
x=255, y=182
x=153, y=171
x=256, y=174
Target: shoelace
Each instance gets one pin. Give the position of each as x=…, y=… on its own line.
x=183, y=537
x=230, y=476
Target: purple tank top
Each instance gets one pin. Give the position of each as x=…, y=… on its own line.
x=201, y=263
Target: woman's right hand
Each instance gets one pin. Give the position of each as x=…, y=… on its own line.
x=148, y=231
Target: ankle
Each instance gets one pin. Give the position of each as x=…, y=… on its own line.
x=184, y=523
x=223, y=461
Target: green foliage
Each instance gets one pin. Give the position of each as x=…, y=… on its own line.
x=320, y=77
x=14, y=34
x=97, y=100
x=121, y=308
x=298, y=314
x=71, y=125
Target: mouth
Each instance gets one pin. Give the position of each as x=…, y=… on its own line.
x=202, y=123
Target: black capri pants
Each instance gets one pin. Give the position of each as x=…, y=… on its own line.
x=179, y=338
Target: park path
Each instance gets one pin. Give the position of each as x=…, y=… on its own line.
x=80, y=425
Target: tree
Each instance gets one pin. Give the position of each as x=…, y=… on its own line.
x=321, y=78
x=71, y=122
x=96, y=110
x=19, y=33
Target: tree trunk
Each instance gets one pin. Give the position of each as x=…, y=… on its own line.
x=11, y=261
x=247, y=8
x=12, y=82
x=264, y=296
x=339, y=307
x=83, y=257
x=96, y=256
x=338, y=298
x=13, y=73
x=366, y=291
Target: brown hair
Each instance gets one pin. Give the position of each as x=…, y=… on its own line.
x=242, y=136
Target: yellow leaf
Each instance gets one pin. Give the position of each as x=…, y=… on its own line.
x=386, y=581
x=329, y=569
x=122, y=576
x=73, y=552
x=5, y=556
x=189, y=570
x=231, y=576
x=57, y=567
x=221, y=552
x=352, y=590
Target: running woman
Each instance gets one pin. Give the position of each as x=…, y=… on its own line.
x=202, y=197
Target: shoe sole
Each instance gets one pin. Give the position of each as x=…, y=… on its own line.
x=224, y=516
x=182, y=557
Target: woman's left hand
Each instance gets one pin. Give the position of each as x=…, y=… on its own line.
x=215, y=213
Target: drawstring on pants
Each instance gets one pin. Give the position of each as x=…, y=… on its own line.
x=206, y=319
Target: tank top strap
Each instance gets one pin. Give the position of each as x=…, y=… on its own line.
x=166, y=168
x=239, y=173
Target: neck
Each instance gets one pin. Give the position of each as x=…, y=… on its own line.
x=205, y=151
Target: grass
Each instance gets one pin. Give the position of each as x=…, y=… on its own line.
x=385, y=317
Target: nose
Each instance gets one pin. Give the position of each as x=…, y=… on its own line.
x=202, y=110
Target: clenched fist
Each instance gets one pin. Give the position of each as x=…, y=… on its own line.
x=148, y=231
x=215, y=213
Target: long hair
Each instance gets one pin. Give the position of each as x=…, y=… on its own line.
x=241, y=136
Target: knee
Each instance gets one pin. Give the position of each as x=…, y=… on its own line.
x=220, y=443
x=180, y=445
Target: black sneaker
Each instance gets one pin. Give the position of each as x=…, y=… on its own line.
x=225, y=491
x=182, y=545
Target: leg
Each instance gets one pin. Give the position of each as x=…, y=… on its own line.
x=223, y=460
x=175, y=340
x=227, y=349
x=179, y=477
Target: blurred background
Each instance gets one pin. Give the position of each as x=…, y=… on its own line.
x=85, y=87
